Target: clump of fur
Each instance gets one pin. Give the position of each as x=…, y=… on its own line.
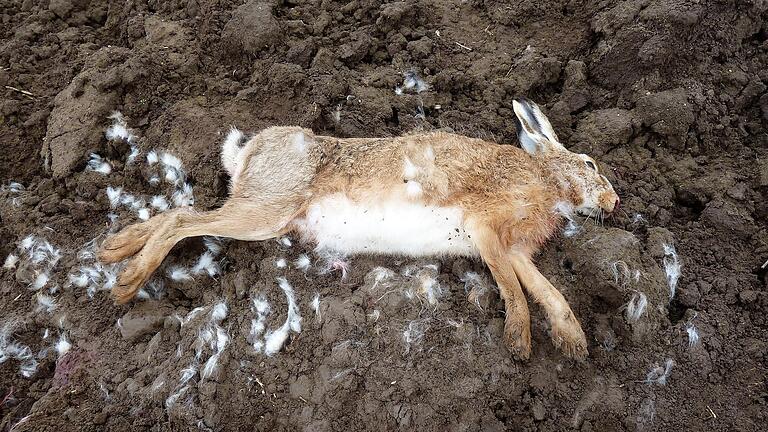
x=12, y=350
x=274, y=340
x=414, y=333
x=671, y=268
x=636, y=306
x=659, y=375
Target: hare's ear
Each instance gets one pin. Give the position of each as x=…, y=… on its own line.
x=533, y=128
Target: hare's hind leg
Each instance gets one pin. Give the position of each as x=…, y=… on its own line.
x=566, y=330
x=238, y=219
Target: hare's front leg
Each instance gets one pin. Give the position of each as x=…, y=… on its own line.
x=517, y=324
x=566, y=330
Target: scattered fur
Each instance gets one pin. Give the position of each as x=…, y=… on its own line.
x=159, y=203
x=303, y=263
x=693, y=334
x=114, y=195
x=179, y=274
x=412, y=81
x=63, y=345
x=45, y=303
x=206, y=264
x=152, y=158
x=636, y=306
x=274, y=340
x=10, y=261
x=183, y=197
x=261, y=309
x=659, y=375
x=98, y=164
x=414, y=333
x=381, y=275
x=671, y=268
x=475, y=286
x=315, y=304
x=12, y=350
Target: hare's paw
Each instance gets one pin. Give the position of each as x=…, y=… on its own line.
x=517, y=335
x=568, y=336
x=124, y=244
x=131, y=279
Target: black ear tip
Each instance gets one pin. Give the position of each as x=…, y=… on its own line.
x=521, y=100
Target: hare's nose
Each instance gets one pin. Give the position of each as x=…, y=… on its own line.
x=616, y=205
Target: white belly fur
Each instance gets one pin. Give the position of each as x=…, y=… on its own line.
x=392, y=227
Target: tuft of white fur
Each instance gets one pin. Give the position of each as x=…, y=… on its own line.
x=565, y=210
x=659, y=375
x=381, y=275
x=152, y=158
x=98, y=164
x=413, y=188
x=159, y=203
x=281, y=263
x=261, y=309
x=693, y=335
x=213, y=244
x=285, y=241
x=219, y=312
x=170, y=160
x=133, y=155
x=636, y=306
x=429, y=287
x=63, y=345
x=411, y=80
x=179, y=274
x=143, y=213
x=622, y=274
x=45, y=303
x=174, y=173
x=205, y=264
x=303, y=263
x=671, y=268
x=10, y=261
x=230, y=149
x=16, y=188
x=183, y=197
x=114, y=196
x=414, y=333
x=475, y=286
x=10, y=349
x=119, y=129
x=315, y=304
x=274, y=340
x=40, y=281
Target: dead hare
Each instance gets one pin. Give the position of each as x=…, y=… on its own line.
x=427, y=194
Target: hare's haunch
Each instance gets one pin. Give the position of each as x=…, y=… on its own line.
x=422, y=194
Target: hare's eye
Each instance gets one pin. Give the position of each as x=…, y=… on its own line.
x=591, y=165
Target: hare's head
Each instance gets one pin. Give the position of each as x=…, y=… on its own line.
x=579, y=175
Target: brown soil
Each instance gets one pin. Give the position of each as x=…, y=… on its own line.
x=669, y=95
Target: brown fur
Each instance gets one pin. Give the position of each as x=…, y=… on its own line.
x=507, y=196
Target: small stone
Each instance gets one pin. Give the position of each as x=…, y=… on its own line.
x=748, y=296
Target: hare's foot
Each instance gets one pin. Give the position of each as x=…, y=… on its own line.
x=568, y=336
x=517, y=335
